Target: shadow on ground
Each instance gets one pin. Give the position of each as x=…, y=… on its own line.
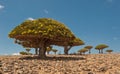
x=52, y=58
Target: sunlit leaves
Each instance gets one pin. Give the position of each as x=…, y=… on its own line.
x=75, y=42
x=42, y=27
x=83, y=50
x=109, y=50
x=101, y=46
x=43, y=32
x=88, y=47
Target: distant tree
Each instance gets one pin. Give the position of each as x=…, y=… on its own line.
x=23, y=53
x=100, y=47
x=28, y=50
x=89, y=48
x=109, y=50
x=36, y=51
x=73, y=53
x=49, y=48
x=83, y=50
x=59, y=52
x=54, y=50
x=26, y=44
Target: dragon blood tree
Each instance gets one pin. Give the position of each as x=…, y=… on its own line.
x=41, y=33
x=100, y=47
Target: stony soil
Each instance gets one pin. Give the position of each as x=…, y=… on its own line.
x=61, y=64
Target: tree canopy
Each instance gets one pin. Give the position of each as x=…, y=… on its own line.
x=101, y=47
x=42, y=29
x=54, y=50
x=89, y=47
x=109, y=50
x=83, y=50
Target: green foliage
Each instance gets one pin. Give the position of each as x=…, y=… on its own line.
x=83, y=50
x=68, y=45
x=44, y=27
x=23, y=53
x=101, y=46
x=48, y=49
x=54, y=50
x=27, y=52
x=109, y=50
x=88, y=47
x=28, y=49
x=43, y=32
x=75, y=42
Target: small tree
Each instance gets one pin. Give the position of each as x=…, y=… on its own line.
x=49, y=48
x=29, y=45
x=28, y=50
x=23, y=53
x=89, y=48
x=83, y=50
x=109, y=51
x=54, y=50
x=101, y=47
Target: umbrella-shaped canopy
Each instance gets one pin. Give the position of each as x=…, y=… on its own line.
x=43, y=29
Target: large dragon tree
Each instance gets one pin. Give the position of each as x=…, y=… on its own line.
x=40, y=33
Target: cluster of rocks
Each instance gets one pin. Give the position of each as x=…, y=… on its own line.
x=61, y=64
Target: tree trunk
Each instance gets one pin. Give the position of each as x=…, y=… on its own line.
x=89, y=51
x=47, y=52
x=99, y=51
x=36, y=51
x=66, y=49
x=42, y=51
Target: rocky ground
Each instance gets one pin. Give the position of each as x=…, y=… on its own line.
x=61, y=64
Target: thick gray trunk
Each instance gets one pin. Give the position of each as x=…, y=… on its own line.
x=42, y=51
